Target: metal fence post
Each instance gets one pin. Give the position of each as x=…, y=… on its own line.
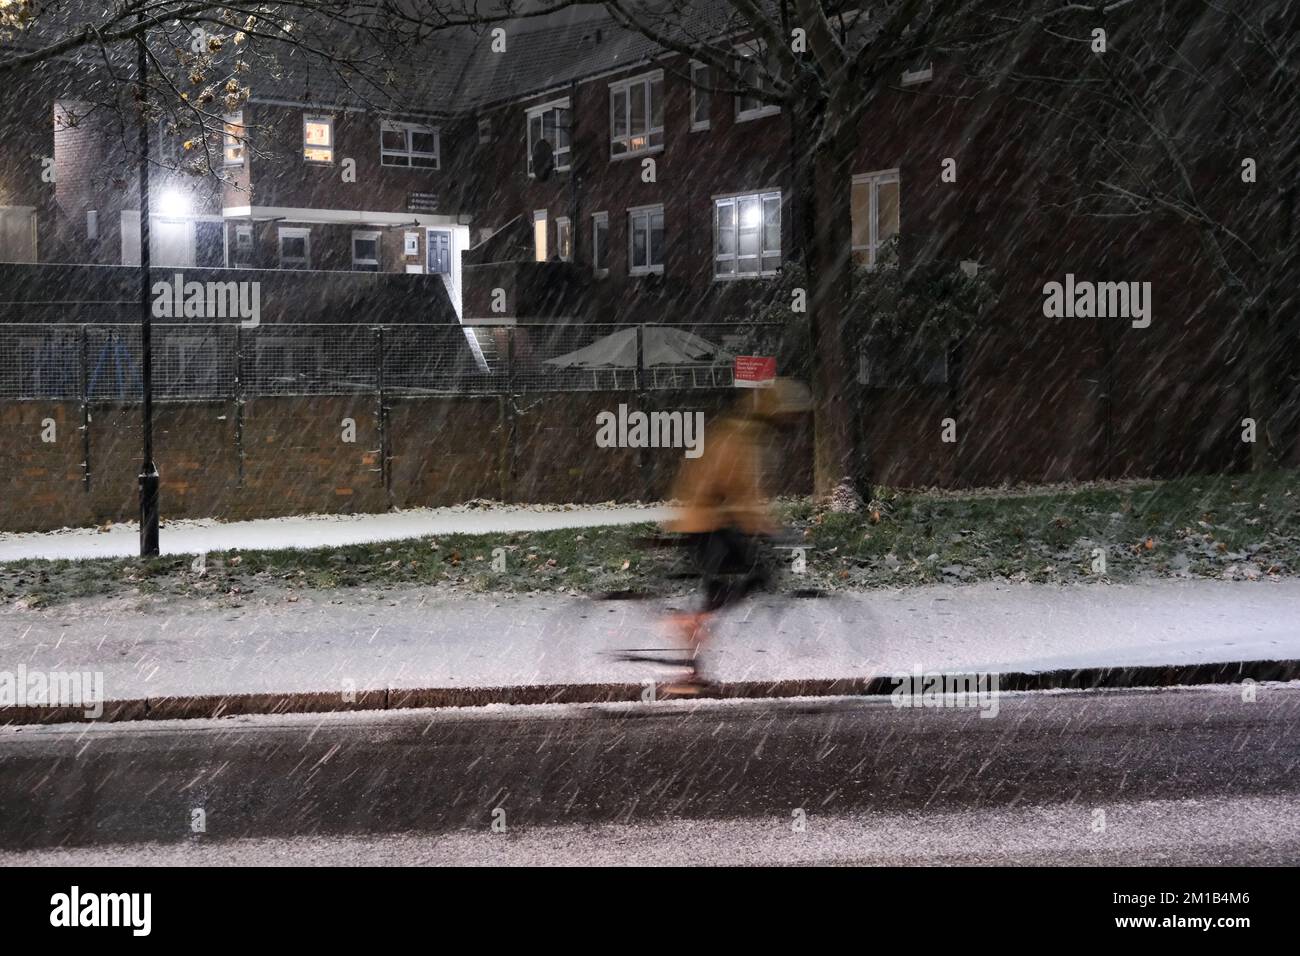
x=84, y=363
x=381, y=419
x=639, y=388
x=239, y=402
x=508, y=423
x=638, y=376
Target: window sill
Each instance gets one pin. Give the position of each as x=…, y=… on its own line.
x=649, y=151
x=557, y=169
x=651, y=271
x=701, y=128
x=746, y=276
x=757, y=114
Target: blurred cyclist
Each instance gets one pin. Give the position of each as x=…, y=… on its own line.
x=724, y=510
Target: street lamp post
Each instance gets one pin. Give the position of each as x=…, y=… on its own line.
x=148, y=479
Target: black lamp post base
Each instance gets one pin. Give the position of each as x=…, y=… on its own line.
x=149, y=484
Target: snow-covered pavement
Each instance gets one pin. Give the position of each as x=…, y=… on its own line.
x=1244, y=831
x=421, y=638
x=195, y=536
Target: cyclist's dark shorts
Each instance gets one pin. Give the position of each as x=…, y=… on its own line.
x=730, y=563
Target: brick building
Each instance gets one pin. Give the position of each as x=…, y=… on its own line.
x=584, y=175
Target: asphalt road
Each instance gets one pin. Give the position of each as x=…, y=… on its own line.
x=1190, y=776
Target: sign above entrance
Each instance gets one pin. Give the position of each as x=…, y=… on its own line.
x=421, y=202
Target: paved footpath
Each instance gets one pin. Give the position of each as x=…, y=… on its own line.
x=192, y=536
x=418, y=637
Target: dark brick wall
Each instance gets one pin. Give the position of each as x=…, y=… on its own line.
x=1034, y=398
x=278, y=176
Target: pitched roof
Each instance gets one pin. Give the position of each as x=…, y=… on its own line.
x=450, y=70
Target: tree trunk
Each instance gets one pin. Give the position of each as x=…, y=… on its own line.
x=1273, y=378
x=838, y=446
x=1271, y=385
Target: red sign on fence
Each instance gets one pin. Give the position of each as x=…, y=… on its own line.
x=755, y=371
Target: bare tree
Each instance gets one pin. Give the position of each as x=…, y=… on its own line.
x=1190, y=116
x=202, y=59
x=824, y=64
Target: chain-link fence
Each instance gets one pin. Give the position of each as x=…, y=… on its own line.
x=103, y=361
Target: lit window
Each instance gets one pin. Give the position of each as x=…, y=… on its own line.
x=318, y=139
x=549, y=124
x=700, y=96
x=874, y=203
x=636, y=115
x=645, y=240
x=233, y=139
x=365, y=252
x=539, y=235
x=295, y=248
x=408, y=144
x=600, y=243
x=564, y=239
x=747, y=235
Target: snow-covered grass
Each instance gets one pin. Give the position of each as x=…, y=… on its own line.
x=1245, y=526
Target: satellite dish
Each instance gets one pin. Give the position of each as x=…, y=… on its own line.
x=543, y=160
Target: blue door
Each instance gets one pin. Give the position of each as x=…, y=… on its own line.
x=439, y=251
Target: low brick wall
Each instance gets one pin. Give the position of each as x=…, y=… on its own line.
x=286, y=455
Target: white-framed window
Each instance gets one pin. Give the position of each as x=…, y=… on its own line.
x=874, y=204
x=645, y=240
x=411, y=244
x=484, y=130
x=636, y=115
x=241, y=255
x=564, y=239
x=755, y=69
x=317, y=138
x=233, y=139
x=600, y=243
x=409, y=145
x=701, y=96
x=539, y=235
x=747, y=235
x=365, y=251
x=550, y=122
x=295, y=247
